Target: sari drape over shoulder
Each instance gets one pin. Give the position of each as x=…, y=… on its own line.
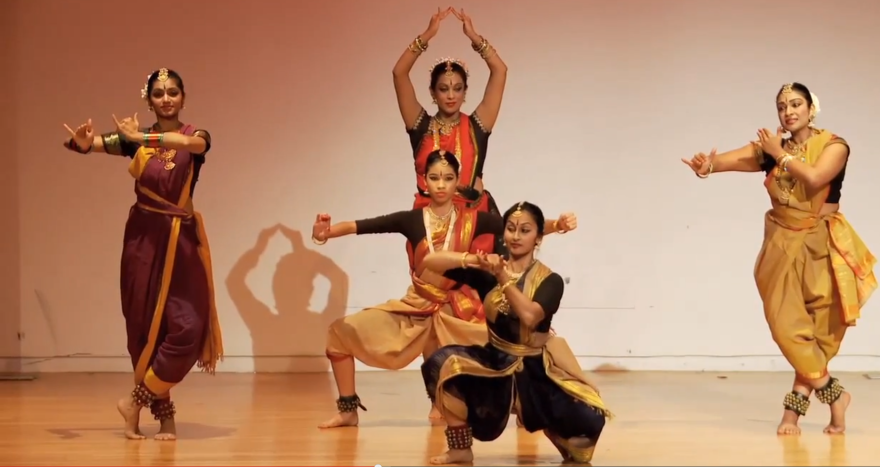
x=166, y=279
x=814, y=273
x=469, y=142
x=533, y=372
x=435, y=311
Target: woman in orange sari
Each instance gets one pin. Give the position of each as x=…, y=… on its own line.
x=814, y=273
x=166, y=278
x=435, y=311
x=466, y=136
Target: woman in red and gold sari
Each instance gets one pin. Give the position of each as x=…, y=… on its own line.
x=466, y=136
x=435, y=311
x=814, y=273
x=166, y=277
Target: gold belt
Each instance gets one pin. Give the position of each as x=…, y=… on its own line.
x=517, y=350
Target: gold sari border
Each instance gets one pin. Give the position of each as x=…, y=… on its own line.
x=213, y=347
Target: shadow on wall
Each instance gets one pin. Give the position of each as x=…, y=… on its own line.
x=295, y=331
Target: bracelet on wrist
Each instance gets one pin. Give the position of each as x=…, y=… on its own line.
x=557, y=229
x=711, y=169
x=71, y=145
x=417, y=46
x=153, y=140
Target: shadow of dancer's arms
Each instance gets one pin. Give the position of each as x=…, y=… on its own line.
x=337, y=299
x=251, y=310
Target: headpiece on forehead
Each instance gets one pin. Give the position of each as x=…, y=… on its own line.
x=814, y=109
x=443, y=161
x=518, y=211
x=449, y=61
x=163, y=76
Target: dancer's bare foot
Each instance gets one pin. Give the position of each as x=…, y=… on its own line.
x=789, y=424
x=341, y=419
x=838, y=414
x=435, y=414
x=454, y=456
x=131, y=413
x=167, y=430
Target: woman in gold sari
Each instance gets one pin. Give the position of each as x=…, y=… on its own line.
x=814, y=273
x=523, y=366
x=436, y=311
x=166, y=282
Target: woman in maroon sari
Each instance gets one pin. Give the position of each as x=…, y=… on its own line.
x=466, y=136
x=166, y=279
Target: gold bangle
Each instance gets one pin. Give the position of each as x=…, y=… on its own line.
x=464, y=259
x=557, y=229
x=784, y=160
x=318, y=242
x=507, y=284
x=481, y=47
x=711, y=168
x=488, y=53
x=417, y=46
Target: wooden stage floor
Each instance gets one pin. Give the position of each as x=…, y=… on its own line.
x=270, y=419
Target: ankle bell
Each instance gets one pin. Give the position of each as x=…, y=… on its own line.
x=797, y=403
x=163, y=409
x=347, y=404
x=830, y=392
x=142, y=396
x=459, y=437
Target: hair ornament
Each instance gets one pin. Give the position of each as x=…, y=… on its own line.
x=443, y=160
x=786, y=88
x=449, y=61
x=518, y=211
x=162, y=76
x=816, y=109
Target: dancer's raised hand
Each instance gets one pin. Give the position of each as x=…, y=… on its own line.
x=434, y=24
x=467, y=26
x=700, y=162
x=321, y=229
x=84, y=134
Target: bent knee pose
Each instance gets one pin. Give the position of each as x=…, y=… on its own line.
x=814, y=273
x=466, y=136
x=166, y=278
x=435, y=311
x=523, y=365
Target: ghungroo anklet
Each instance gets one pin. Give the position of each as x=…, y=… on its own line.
x=459, y=437
x=142, y=396
x=347, y=404
x=830, y=393
x=163, y=409
x=797, y=403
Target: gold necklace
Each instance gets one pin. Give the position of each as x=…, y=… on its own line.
x=784, y=179
x=438, y=126
x=517, y=275
x=166, y=155
x=444, y=127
